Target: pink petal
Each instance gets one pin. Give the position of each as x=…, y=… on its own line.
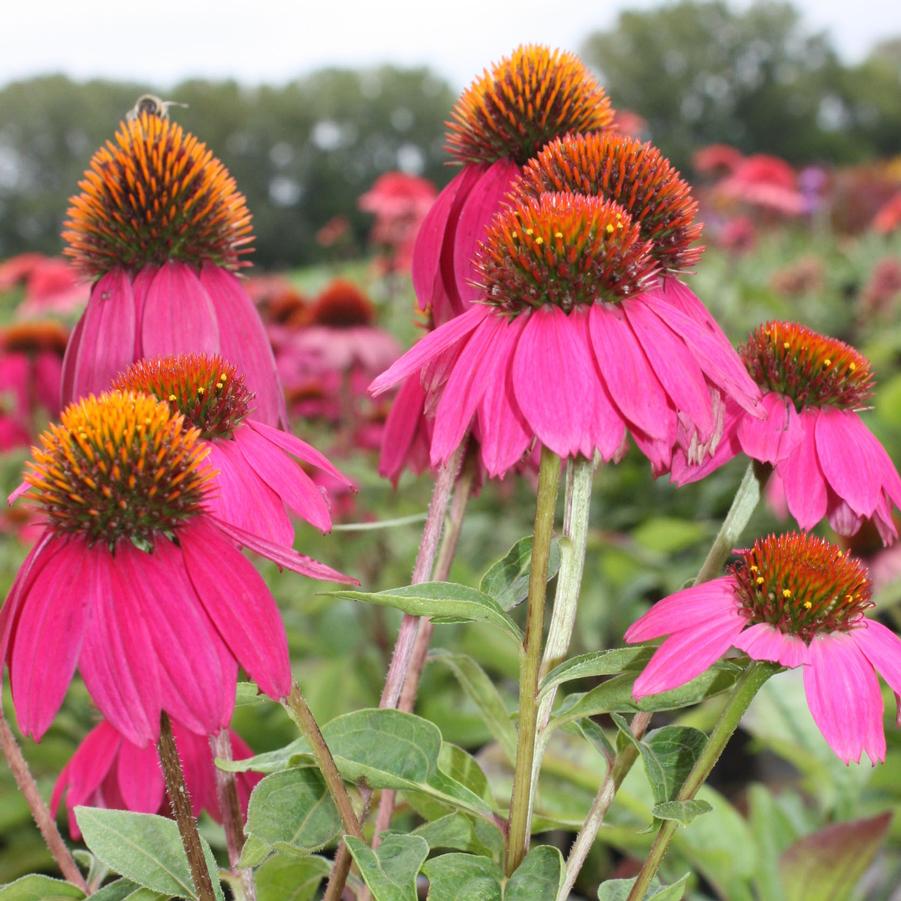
x=37, y=558
x=47, y=639
x=239, y=604
x=686, y=609
x=179, y=317
x=297, y=448
x=88, y=766
x=300, y=494
x=774, y=438
x=429, y=347
x=802, y=479
x=473, y=373
x=70, y=360
x=765, y=642
x=687, y=654
x=481, y=203
x=405, y=419
x=628, y=374
x=243, y=341
x=883, y=649
x=140, y=778
x=680, y=295
x=844, y=698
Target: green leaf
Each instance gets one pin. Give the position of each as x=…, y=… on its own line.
x=668, y=534
x=669, y=754
x=126, y=890
x=596, y=737
x=773, y=832
x=287, y=877
x=292, y=807
x=36, y=887
x=390, y=870
x=681, y=811
x=456, y=876
x=827, y=865
x=618, y=890
x=478, y=686
x=445, y=602
x=507, y=579
x=144, y=848
x=538, y=877
x=597, y=663
x=248, y=695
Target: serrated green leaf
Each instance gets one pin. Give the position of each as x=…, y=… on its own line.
x=287, y=877
x=596, y=663
x=390, y=870
x=36, y=887
x=538, y=877
x=291, y=807
x=669, y=754
x=455, y=876
x=507, y=579
x=596, y=737
x=479, y=687
x=144, y=848
x=618, y=890
x=681, y=811
x=442, y=601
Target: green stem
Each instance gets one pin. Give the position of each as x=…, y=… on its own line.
x=743, y=693
x=530, y=661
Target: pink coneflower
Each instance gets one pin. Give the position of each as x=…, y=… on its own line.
x=795, y=600
x=109, y=771
x=407, y=435
x=51, y=284
x=767, y=183
x=717, y=159
x=134, y=582
x=573, y=342
x=258, y=480
x=161, y=229
x=830, y=464
x=501, y=120
x=889, y=216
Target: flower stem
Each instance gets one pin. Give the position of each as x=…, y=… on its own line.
x=18, y=766
x=530, y=661
x=746, y=687
x=230, y=809
x=181, y=808
x=306, y=722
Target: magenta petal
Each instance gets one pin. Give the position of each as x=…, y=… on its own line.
x=300, y=494
x=481, y=203
x=686, y=609
x=628, y=374
x=239, y=604
x=882, y=648
x=140, y=778
x=847, y=459
x=243, y=341
x=765, y=642
x=300, y=449
x=802, y=479
x=774, y=438
x=48, y=637
x=179, y=317
x=45, y=548
x=844, y=698
x=404, y=421
x=70, y=360
x=687, y=654
x=88, y=766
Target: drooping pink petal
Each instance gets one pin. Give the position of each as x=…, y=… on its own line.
x=48, y=636
x=179, y=317
x=687, y=609
x=243, y=342
x=37, y=558
x=481, y=203
x=470, y=379
x=628, y=374
x=87, y=768
x=242, y=498
x=140, y=778
x=281, y=555
x=674, y=364
x=140, y=286
x=429, y=347
x=105, y=342
x=404, y=421
x=680, y=295
x=239, y=604
x=300, y=494
x=774, y=438
x=844, y=698
x=883, y=649
x=686, y=654
x=297, y=448
x=802, y=478
x=70, y=359
x=765, y=642
x=118, y=661
x=841, y=517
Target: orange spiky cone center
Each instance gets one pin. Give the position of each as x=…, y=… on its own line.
x=512, y=110
x=119, y=466
x=34, y=337
x=634, y=174
x=811, y=369
x=205, y=389
x=802, y=585
x=155, y=194
x=342, y=305
x=567, y=250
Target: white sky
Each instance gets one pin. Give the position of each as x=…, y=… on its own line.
x=162, y=41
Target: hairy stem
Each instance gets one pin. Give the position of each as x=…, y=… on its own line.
x=181, y=809
x=530, y=661
x=18, y=766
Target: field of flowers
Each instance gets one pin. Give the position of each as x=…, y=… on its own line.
x=491, y=472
